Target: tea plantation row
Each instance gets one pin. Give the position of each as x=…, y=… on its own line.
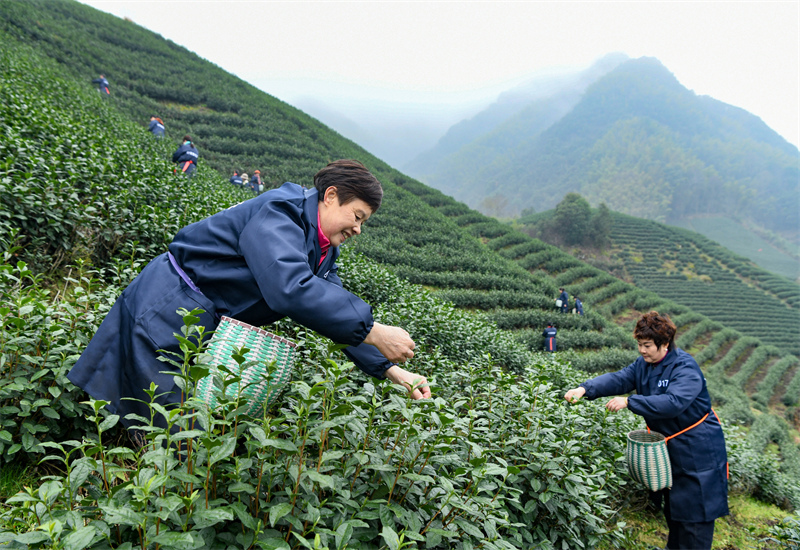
x=604, y=296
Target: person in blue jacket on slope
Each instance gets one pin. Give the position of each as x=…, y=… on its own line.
x=564, y=297
x=156, y=127
x=266, y=258
x=549, y=334
x=236, y=179
x=102, y=85
x=672, y=397
x=186, y=156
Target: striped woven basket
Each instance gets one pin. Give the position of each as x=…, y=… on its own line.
x=259, y=387
x=648, y=459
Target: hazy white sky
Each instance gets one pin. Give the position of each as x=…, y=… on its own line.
x=449, y=54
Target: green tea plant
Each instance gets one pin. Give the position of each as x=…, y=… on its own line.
x=787, y=533
x=340, y=464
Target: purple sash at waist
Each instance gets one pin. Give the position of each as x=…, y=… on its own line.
x=182, y=273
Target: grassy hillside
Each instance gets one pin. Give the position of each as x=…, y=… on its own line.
x=496, y=452
x=767, y=251
x=342, y=461
x=234, y=125
x=695, y=271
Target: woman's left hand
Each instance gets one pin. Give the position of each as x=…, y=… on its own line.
x=617, y=404
x=409, y=380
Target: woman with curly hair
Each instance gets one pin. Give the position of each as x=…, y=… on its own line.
x=672, y=397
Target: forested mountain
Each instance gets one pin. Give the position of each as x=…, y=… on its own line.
x=518, y=114
x=643, y=144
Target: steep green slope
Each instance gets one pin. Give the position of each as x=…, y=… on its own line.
x=692, y=270
x=767, y=250
x=646, y=146
x=233, y=124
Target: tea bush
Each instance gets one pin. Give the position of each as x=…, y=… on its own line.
x=787, y=532
x=767, y=386
x=492, y=460
x=605, y=360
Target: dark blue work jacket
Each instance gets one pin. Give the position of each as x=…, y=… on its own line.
x=564, y=297
x=186, y=153
x=258, y=262
x=236, y=179
x=156, y=128
x=578, y=306
x=671, y=396
x=102, y=85
x=549, y=334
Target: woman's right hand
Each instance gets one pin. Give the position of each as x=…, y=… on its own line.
x=574, y=394
x=393, y=342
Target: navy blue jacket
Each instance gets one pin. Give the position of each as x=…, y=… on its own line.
x=564, y=297
x=671, y=396
x=102, y=85
x=549, y=334
x=254, y=182
x=186, y=153
x=156, y=128
x=257, y=262
x=578, y=306
x=236, y=179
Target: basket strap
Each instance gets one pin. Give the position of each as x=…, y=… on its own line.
x=687, y=429
x=666, y=439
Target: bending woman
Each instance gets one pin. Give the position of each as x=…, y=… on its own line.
x=671, y=396
x=264, y=259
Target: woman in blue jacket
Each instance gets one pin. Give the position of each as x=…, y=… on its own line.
x=564, y=297
x=186, y=156
x=156, y=127
x=264, y=259
x=672, y=397
x=549, y=334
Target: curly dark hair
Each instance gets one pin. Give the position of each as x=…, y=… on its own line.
x=656, y=327
x=352, y=181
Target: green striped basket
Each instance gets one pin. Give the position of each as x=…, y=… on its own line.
x=648, y=459
x=268, y=352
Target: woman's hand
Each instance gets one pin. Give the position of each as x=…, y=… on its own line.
x=617, y=404
x=393, y=342
x=415, y=384
x=574, y=394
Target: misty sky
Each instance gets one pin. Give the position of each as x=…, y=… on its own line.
x=432, y=63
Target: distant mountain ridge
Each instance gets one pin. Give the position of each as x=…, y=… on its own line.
x=640, y=142
x=559, y=93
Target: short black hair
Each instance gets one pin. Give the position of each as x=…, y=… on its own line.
x=352, y=181
x=658, y=328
